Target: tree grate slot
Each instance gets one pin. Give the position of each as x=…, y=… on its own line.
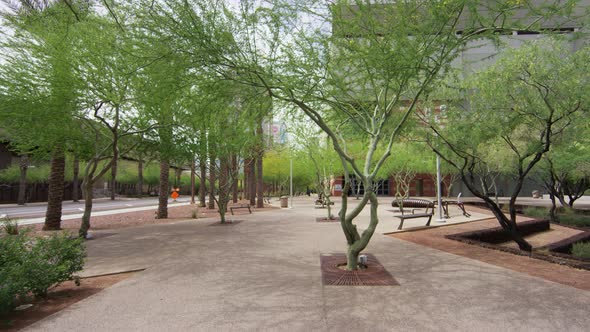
x=374, y=275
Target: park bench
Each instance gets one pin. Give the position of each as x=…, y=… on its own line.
x=241, y=206
x=414, y=204
x=457, y=202
x=322, y=202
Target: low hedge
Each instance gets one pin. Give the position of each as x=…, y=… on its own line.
x=31, y=265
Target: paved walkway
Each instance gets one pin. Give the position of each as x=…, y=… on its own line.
x=264, y=274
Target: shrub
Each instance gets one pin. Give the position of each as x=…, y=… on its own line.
x=12, y=273
x=536, y=212
x=53, y=260
x=571, y=218
x=33, y=265
x=581, y=249
x=9, y=226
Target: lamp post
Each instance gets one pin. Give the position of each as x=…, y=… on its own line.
x=441, y=218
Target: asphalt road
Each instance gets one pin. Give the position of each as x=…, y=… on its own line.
x=36, y=210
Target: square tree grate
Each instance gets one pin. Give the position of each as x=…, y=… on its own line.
x=374, y=275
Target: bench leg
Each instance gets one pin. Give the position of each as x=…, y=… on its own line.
x=232, y=211
x=400, y=224
x=463, y=209
x=429, y=218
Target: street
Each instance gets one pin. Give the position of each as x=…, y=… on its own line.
x=32, y=212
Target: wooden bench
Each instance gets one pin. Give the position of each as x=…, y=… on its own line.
x=414, y=204
x=241, y=206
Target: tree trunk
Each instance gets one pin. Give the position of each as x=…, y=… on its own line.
x=245, y=187
x=252, y=182
x=56, y=190
x=163, y=197
x=76, y=180
x=508, y=224
x=259, y=156
x=113, y=179
x=357, y=242
x=88, y=195
x=203, y=181
x=211, y=180
x=22, y=185
x=178, y=173
x=139, y=178
x=234, y=171
x=553, y=210
x=193, y=180
x=223, y=187
x=352, y=259
x=202, y=167
x=259, y=183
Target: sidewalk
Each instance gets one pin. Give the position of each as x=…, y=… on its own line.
x=263, y=274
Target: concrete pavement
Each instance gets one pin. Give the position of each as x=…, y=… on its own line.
x=264, y=274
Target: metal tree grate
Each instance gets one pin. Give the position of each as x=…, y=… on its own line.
x=374, y=275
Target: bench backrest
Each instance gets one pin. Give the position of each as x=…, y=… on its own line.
x=412, y=203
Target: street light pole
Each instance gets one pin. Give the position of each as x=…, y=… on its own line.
x=441, y=218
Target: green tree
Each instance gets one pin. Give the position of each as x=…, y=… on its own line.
x=565, y=170
x=364, y=66
x=516, y=110
x=40, y=86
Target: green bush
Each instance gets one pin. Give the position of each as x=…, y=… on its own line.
x=35, y=174
x=33, y=265
x=9, y=226
x=573, y=219
x=12, y=273
x=536, y=212
x=581, y=249
x=53, y=260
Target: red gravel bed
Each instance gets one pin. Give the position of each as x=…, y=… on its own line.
x=437, y=238
x=146, y=217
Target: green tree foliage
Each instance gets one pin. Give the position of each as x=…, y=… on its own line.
x=516, y=110
x=362, y=67
x=39, y=87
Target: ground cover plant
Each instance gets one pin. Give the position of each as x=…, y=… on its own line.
x=565, y=216
x=581, y=250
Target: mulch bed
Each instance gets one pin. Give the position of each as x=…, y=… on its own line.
x=491, y=237
x=374, y=275
x=437, y=238
x=58, y=299
x=136, y=218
